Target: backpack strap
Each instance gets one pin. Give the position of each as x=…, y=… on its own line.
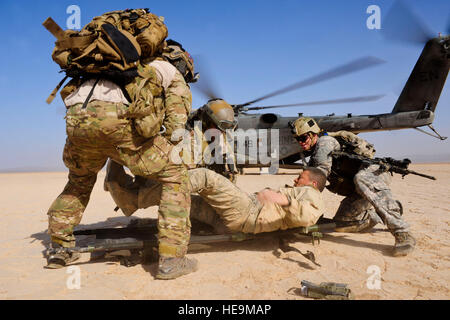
x=55, y=91
x=78, y=42
x=122, y=43
x=90, y=94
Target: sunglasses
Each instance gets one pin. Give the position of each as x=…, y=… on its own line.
x=303, y=138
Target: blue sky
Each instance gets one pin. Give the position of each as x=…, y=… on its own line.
x=252, y=47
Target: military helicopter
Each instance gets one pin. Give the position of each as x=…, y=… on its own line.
x=415, y=107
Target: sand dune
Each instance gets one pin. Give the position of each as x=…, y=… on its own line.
x=247, y=270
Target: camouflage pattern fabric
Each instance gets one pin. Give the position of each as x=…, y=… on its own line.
x=231, y=204
x=305, y=207
x=356, y=208
x=321, y=154
x=148, y=106
x=373, y=185
x=97, y=133
x=228, y=167
x=372, y=191
x=150, y=193
x=178, y=102
x=217, y=194
x=201, y=153
x=203, y=212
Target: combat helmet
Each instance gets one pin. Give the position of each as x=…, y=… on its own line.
x=304, y=125
x=181, y=59
x=220, y=113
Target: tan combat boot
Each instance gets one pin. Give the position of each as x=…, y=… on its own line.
x=59, y=257
x=404, y=244
x=171, y=268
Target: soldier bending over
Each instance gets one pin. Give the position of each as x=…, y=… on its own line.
x=368, y=197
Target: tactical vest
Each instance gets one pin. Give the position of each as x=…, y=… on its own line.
x=344, y=169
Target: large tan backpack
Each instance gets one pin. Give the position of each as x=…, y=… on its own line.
x=111, y=45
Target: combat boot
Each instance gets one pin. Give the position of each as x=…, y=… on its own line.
x=58, y=257
x=171, y=268
x=354, y=226
x=404, y=244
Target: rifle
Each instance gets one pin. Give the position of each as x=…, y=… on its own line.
x=387, y=164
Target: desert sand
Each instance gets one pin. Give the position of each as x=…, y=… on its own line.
x=254, y=269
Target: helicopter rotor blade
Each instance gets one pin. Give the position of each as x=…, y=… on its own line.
x=356, y=65
x=322, y=102
x=403, y=25
x=447, y=30
x=205, y=85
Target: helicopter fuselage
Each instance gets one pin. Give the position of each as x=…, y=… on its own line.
x=289, y=148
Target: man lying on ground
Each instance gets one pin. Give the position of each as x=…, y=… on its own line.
x=227, y=208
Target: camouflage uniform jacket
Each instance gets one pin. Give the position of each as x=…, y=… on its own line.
x=304, y=209
x=321, y=154
x=178, y=97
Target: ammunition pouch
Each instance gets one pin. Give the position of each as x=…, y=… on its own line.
x=340, y=185
x=342, y=173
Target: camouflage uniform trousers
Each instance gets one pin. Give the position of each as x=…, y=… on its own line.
x=200, y=210
x=219, y=203
x=373, y=199
x=96, y=134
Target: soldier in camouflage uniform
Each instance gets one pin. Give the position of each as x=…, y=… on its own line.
x=372, y=200
x=109, y=126
x=217, y=117
x=131, y=194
